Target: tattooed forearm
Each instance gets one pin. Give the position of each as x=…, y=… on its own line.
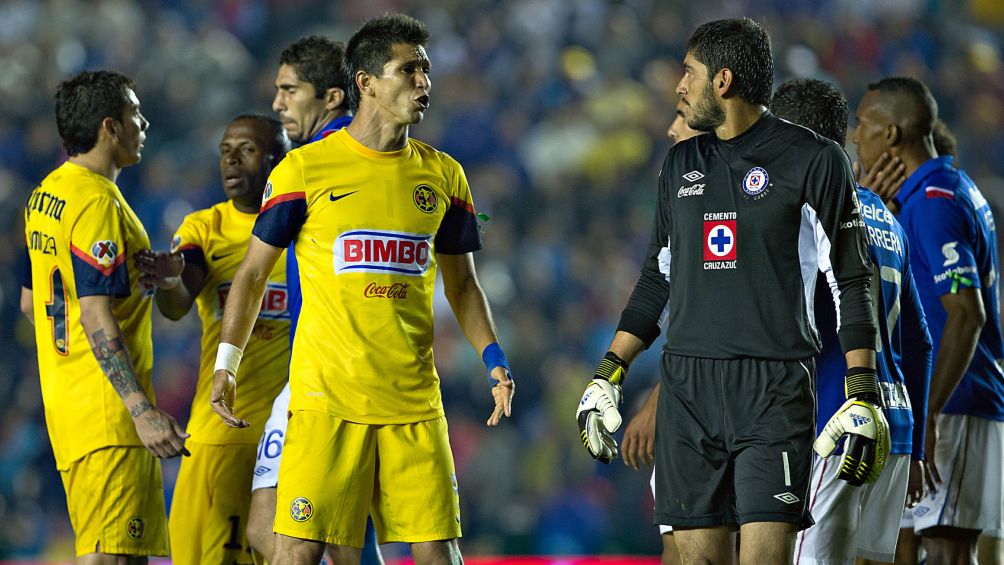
x=114, y=360
x=140, y=408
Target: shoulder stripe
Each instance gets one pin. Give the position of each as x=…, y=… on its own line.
x=86, y=258
x=454, y=201
x=938, y=192
x=283, y=198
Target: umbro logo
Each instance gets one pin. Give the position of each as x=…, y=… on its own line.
x=693, y=176
x=340, y=196
x=787, y=498
x=261, y=470
x=859, y=420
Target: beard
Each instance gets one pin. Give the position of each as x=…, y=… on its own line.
x=708, y=113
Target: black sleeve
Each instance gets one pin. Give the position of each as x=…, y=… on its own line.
x=25, y=273
x=831, y=192
x=648, y=300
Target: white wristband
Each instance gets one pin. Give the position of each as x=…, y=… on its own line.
x=228, y=357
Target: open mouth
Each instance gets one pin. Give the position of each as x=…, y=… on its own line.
x=232, y=181
x=423, y=101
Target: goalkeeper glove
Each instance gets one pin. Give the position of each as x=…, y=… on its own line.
x=862, y=420
x=597, y=415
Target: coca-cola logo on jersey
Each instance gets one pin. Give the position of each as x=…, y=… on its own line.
x=376, y=251
x=397, y=291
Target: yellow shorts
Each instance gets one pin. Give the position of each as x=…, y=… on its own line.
x=334, y=472
x=209, y=511
x=115, y=496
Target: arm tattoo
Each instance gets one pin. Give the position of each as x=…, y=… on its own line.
x=114, y=360
x=140, y=409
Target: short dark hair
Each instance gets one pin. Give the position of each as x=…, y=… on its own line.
x=944, y=139
x=912, y=105
x=277, y=134
x=83, y=102
x=741, y=46
x=814, y=104
x=317, y=60
x=369, y=49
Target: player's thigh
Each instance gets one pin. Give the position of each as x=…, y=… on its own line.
x=990, y=550
x=115, y=500
x=771, y=407
x=326, y=479
x=443, y=552
x=261, y=516
x=835, y=506
x=881, y=514
x=417, y=499
x=215, y=498
x=970, y=460
x=269, y=455
x=693, y=472
x=706, y=545
x=766, y=543
x=670, y=553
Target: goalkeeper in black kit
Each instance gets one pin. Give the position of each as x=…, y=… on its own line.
x=746, y=215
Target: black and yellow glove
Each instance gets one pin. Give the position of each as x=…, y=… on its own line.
x=598, y=416
x=862, y=420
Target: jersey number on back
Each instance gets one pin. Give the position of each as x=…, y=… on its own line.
x=56, y=311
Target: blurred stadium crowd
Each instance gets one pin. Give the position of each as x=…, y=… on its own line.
x=557, y=109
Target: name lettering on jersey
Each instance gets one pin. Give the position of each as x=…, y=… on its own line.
x=719, y=240
x=886, y=239
x=895, y=395
x=696, y=190
x=375, y=251
x=398, y=291
x=976, y=197
x=693, y=176
x=43, y=242
x=756, y=183
x=274, y=305
x=45, y=203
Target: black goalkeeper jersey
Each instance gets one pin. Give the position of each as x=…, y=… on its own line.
x=741, y=229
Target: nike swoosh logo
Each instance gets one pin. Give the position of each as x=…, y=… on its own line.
x=340, y=196
x=218, y=256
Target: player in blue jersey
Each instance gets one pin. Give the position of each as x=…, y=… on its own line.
x=310, y=98
x=954, y=241
x=852, y=522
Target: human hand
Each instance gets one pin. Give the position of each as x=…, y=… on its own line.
x=503, y=393
x=160, y=268
x=223, y=396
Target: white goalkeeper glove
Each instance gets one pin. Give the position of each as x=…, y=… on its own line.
x=597, y=415
x=862, y=420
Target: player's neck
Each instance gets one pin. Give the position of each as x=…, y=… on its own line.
x=739, y=117
x=98, y=161
x=373, y=132
x=916, y=154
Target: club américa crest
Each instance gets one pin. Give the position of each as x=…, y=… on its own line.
x=301, y=509
x=425, y=198
x=135, y=528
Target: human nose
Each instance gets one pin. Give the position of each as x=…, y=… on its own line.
x=278, y=104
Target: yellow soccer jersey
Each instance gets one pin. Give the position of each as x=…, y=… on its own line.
x=367, y=226
x=216, y=239
x=80, y=231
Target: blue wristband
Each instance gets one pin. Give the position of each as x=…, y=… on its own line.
x=493, y=356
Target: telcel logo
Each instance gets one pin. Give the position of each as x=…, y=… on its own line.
x=373, y=251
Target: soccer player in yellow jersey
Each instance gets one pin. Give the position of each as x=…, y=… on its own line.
x=105, y=429
x=373, y=214
x=213, y=491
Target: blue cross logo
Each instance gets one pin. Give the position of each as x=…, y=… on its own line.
x=721, y=240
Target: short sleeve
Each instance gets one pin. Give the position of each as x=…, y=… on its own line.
x=189, y=240
x=945, y=244
x=98, y=249
x=458, y=232
x=283, y=204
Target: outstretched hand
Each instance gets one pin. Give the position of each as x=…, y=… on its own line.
x=160, y=268
x=503, y=393
x=223, y=396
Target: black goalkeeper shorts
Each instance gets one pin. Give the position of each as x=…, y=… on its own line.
x=734, y=441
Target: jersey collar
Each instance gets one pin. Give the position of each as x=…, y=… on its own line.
x=913, y=183
x=331, y=127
